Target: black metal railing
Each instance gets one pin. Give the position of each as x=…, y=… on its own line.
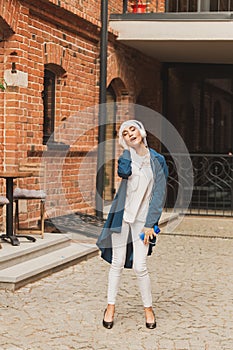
x=212, y=184
x=187, y=5
x=198, y=5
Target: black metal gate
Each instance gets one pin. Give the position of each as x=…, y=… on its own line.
x=212, y=190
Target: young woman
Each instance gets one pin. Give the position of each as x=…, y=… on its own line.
x=136, y=208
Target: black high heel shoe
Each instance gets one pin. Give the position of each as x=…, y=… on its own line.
x=153, y=324
x=106, y=324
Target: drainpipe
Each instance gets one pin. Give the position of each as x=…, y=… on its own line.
x=102, y=109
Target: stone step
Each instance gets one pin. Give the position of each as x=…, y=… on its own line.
x=13, y=255
x=31, y=261
x=16, y=276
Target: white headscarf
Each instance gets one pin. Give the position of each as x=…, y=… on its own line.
x=138, y=125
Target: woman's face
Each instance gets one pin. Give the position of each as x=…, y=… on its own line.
x=132, y=136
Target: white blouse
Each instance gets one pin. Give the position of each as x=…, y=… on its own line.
x=139, y=188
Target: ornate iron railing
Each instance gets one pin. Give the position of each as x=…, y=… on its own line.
x=212, y=185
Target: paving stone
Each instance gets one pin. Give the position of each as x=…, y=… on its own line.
x=192, y=292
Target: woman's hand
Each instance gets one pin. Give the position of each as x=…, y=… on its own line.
x=149, y=233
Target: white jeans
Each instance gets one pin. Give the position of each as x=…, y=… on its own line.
x=140, y=250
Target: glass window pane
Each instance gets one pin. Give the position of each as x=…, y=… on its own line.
x=49, y=104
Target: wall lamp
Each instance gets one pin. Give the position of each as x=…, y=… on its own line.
x=13, y=68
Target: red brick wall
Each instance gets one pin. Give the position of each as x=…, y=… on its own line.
x=10, y=10
x=66, y=36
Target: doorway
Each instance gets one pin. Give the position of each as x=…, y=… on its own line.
x=198, y=101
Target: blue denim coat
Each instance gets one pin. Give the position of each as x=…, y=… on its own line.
x=114, y=220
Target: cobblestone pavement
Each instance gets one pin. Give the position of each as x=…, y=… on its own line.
x=192, y=291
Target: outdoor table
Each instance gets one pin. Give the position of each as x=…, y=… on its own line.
x=10, y=237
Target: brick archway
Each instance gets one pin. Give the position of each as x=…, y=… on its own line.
x=56, y=54
x=119, y=88
x=10, y=11
x=119, y=77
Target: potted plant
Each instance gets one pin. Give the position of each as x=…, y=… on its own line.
x=2, y=85
x=138, y=6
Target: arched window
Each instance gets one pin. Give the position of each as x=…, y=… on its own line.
x=109, y=171
x=51, y=73
x=49, y=105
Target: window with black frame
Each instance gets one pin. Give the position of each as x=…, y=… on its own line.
x=49, y=105
x=182, y=6
x=200, y=106
x=221, y=5
x=199, y=5
x=109, y=168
